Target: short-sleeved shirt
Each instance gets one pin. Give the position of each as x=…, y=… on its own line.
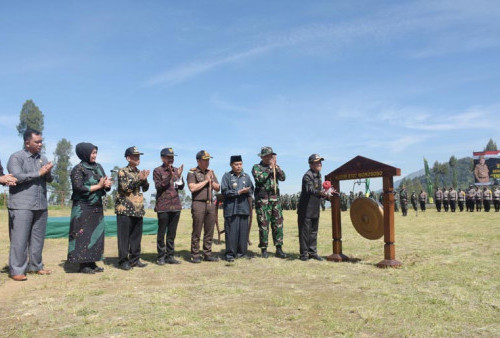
x=130, y=201
x=196, y=175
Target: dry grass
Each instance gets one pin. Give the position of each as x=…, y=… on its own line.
x=448, y=285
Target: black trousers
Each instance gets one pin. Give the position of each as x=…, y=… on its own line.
x=422, y=206
x=461, y=205
x=487, y=205
x=453, y=205
x=479, y=205
x=129, y=233
x=496, y=203
x=414, y=206
x=446, y=205
x=167, y=224
x=470, y=205
x=438, y=205
x=308, y=235
x=236, y=234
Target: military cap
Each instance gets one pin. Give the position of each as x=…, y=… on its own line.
x=203, y=155
x=315, y=158
x=264, y=151
x=167, y=152
x=235, y=158
x=132, y=151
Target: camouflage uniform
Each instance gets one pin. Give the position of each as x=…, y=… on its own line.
x=413, y=199
x=267, y=203
x=403, y=197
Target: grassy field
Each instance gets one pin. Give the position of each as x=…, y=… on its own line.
x=448, y=286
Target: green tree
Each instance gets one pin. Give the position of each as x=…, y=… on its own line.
x=453, y=165
x=30, y=117
x=435, y=171
x=61, y=171
x=491, y=146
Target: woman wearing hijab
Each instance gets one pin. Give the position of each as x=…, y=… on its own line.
x=86, y=233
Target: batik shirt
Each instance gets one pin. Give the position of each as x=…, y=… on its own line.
x=130, y=201
x=167, y=197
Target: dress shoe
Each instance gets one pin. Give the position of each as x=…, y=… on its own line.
x=160, y=261
x=316, y=257
x=264, y=253
x=196, y=260
x=172, y=260
x=87, y=269
x=125, y=266
x=229, y=259
x=96, y=268
x=280, y=253
x=304, y=258
x=43, y=272
x=139, y=264
x=211, y=258
x=19, y=278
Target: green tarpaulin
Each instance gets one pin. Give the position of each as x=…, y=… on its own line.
x=58, y=227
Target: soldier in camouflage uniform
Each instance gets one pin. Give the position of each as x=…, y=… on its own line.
x=403, y=197
x=267, y=202
x=396, y=201
x=129, y=209
x=413, y=199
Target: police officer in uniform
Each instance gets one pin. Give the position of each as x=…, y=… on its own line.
x=201, y=182
x=496, y=199
x=487, y=199
x=438, y=197
x=453, y=196
x=422, y=197
x=308, y=209
x=446, y=199
x=471, y=197
x=461, y=199
x=479, y=199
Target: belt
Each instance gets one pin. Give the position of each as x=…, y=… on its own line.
x=203, y=201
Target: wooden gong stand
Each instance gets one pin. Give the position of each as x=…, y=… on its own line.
x=362, y=168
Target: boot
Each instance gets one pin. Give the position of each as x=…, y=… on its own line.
x=279, y=252
x=264, y=253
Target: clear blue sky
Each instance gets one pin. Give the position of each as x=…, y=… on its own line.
x=390, y=80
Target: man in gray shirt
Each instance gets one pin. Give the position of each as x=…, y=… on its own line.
x=28, y=207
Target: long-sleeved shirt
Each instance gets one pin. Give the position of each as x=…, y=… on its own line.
x=30, y=192
x=167, y=186
x=310, y=196
x=234, y=203
x=130, y=201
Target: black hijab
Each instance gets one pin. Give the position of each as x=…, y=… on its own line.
x=83, y=151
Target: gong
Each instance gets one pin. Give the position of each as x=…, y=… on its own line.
x=367, y=216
